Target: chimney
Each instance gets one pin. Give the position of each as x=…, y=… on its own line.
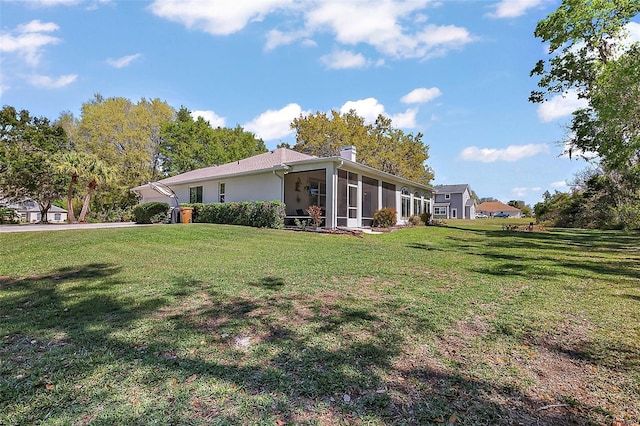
x=348, y=153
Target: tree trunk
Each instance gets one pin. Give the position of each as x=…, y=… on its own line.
x=44, y=209
x=85, y=205
x=71, y=218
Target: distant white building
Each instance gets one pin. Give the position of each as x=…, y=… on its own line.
x=29, y=212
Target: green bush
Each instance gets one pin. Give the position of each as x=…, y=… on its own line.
x=259, y=214
x=425, y=218
x=8, y=215
x=415, y=220
x=153, y=212
x=384, y=218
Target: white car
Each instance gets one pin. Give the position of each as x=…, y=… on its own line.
x=481, y=216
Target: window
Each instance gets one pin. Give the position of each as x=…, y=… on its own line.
x=440, y=211
x=405, y=197
x=195, y=194
x=417, y=203
x=57, y=217
x=447, y=196
x=222, y=190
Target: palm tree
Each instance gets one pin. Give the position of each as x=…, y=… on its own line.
x=96, y=172
x=74, y=164
x=82, y=167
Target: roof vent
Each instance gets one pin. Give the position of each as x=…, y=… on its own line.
x=348, y=153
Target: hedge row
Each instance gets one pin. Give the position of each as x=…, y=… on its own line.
x=259, y=214
x=154, y=212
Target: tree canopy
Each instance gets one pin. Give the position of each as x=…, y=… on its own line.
x=27, y=150
x=378, y=145
x=588, y=54
x=189, y=144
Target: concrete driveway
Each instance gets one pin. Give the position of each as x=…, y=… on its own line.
x=32, y=227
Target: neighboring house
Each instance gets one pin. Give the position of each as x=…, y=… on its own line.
x=348, y=192
x=492, y=208
x=454, y=202
x=29, y=212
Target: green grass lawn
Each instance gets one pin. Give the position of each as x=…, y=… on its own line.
x=208, y=324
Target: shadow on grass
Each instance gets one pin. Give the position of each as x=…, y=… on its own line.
x=285, y=358
x=576, y=252
x=271, y=283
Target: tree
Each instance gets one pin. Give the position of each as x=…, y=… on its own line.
x=582, y=37
x=27, y=164
x=587, y=55
x=378, y=145
x=486, y=200
x=84, y=167
x=189, y=144
x=96, y=172
x=522, y=206
x=126, y=137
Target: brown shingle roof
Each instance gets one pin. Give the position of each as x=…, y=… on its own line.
x=495, y=206
x=264, y=161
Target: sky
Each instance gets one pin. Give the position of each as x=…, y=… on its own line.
x=455, y=71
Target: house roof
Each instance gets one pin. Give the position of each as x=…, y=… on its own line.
x=281, y=158
x=264, y=161
x=30, y=206
x=458, y=188
x=496, y=206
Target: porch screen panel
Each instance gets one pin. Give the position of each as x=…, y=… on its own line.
x=369, y=197
x=342, y=194
x=388, y=196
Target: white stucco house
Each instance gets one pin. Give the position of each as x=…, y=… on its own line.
x=28, y=211
x=348, y=192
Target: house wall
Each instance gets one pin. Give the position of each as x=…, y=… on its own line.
x=270, y=186
x=457, y=201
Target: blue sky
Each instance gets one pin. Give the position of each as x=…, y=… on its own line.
x=455, y=71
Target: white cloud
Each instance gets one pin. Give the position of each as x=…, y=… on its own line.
x=561, y=106
x=274, y=124
x=368, y=108
x=124, y=61
x=632, y=35
x=510, y=153
x=560, y=184
x=47, y=82
x=342, y=59
x=393, y=28
x=218, y=17
x=405, y=120
x=513, y=8
x=519, y=191
x=381, y=25
x=28, y=40
x=214, y=119
x=3, y=89
x=421, y=95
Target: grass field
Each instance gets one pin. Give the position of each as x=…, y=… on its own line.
x=206, y=324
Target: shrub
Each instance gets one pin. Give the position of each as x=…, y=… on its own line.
x=153, y=212
x=425, y=218
x=316, y=216
x=8, y=215
x=415, y=220
x=259, y=214
x=385, y=218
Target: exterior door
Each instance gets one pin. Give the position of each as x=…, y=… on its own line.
x=352, y=205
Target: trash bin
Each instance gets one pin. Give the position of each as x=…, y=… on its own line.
x=185, y=214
